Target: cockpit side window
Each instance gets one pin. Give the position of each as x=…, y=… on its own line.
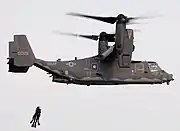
x=153, y=67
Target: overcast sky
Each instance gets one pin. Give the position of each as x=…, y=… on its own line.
x=77, y=108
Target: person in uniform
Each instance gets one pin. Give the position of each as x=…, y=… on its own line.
x=35, y=118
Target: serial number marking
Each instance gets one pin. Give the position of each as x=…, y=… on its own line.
x=22, y=53
x=51, y=63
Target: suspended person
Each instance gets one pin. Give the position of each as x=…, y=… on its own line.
x=35, y=118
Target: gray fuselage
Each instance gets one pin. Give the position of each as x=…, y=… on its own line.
x=93, y=71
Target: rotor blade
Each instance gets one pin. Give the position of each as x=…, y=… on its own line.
x=110, y=20
x=144, y=17
x=92, y=37
x=133, y=23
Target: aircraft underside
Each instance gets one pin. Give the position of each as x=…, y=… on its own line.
x=100, y=81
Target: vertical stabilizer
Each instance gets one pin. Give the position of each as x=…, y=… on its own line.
x=21, y=56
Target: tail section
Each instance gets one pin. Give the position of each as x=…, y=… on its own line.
x=21, y=56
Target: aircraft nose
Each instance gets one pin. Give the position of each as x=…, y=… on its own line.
x=168, y=78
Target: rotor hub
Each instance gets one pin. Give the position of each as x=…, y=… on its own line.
x=103, y=34
x=122, y=18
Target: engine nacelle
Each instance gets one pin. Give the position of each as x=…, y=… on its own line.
x=106, y=53
x=103, y=46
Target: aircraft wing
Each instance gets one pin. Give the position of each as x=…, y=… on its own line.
x=107, y=53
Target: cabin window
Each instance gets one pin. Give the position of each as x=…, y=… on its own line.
x=94, y=66
x=139, y=67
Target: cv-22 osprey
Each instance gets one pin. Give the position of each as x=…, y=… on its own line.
x=113, y=65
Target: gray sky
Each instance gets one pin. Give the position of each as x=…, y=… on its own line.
x=77, y=108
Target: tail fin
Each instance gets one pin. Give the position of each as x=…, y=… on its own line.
x=21, y=56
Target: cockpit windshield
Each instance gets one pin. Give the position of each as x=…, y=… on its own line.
x=153, y=67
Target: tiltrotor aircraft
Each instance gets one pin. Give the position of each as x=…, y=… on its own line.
x=113, y=65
